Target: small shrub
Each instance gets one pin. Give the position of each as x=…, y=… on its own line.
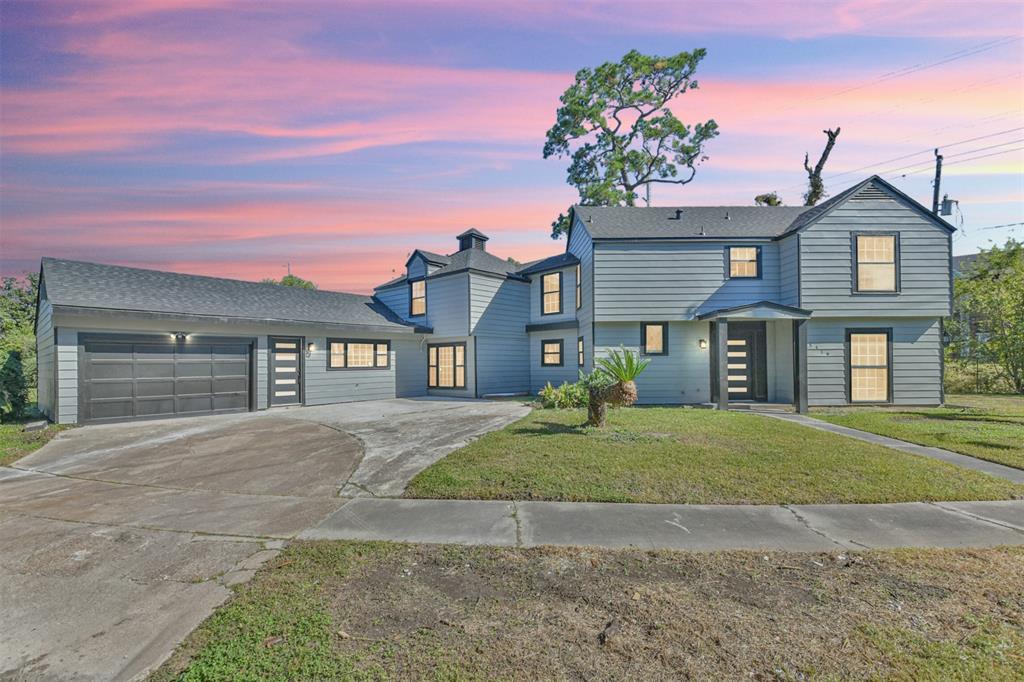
x=567, y=396
x=13, y=387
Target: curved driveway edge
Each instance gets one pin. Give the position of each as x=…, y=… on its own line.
x=797, y=528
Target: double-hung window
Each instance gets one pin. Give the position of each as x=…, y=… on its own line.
x=418, y=298
x=869, y=365
x=744, y=262
x=579, y=287
x=579, y=351
x=653, y=338
x=551, y=353
x=875, y=262
x=358, y=354
x=551, y=293
x=446, y=365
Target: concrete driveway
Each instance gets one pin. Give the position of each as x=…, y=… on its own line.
x=117, y=540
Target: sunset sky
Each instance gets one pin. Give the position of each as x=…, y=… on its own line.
x=228, y=138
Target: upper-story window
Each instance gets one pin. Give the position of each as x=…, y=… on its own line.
x=875, y=262
x=418, y=298
x=744, y=262
x=551, y=293
x=579, y=287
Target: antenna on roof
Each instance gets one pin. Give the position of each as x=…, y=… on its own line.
x=726, y=215
x=702, y=232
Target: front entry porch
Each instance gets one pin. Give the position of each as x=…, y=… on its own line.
x=758, y=355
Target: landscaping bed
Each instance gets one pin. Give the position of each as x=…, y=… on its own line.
x=349, y=610
x=989, y=427
x=679, y=455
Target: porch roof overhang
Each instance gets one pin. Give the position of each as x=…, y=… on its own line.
x=761, y=310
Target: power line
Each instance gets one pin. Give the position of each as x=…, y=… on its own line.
x=953, y=163
x=994, y=227
x=931, y=162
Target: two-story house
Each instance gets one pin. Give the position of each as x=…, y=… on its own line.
x=835, y=304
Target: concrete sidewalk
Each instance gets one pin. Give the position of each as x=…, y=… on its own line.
x=682, y=527
x=991, y=468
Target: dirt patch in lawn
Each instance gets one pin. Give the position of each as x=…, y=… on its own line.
x=384, y=611
x=597, y=615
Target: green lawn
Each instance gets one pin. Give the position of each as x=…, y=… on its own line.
x=691, y=456
x=985, y=426
x=15, y=443
x=376, y=611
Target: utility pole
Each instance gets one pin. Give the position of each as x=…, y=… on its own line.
x=938, y=179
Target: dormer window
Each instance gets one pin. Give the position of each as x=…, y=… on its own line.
x=418, y=298
x=551, y=293
x=744, y=262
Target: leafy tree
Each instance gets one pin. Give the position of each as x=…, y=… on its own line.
x=988, y=305
x=768, y=199
x=17, y=343
x=290, y=280
x=616, y=126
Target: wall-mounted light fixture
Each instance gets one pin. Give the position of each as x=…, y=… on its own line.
x=179, y=336
x=310, y=347
x=703, y=344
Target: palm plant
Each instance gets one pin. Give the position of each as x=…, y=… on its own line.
x=621, y=368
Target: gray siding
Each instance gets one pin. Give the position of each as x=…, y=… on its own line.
x=417, y=268
x=498, y=312
x=324, y=386
x=582, y=246
x=673, y=280
x=568, y=372
x=45, y=357
x=396, y=298
x=789, y=274
x=916, y=364
x=410, y=366
x=827, y=260
x=448, y=305
x=682, y=376
x=67, y=375
x=568, y=297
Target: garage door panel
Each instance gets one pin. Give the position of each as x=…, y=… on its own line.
x=154, y=407
x=126, y=379
x=150, y=388
x=112, y=370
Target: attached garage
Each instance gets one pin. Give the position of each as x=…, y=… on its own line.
x=118, y=344
x=123, y=377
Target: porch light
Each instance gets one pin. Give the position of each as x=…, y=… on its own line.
x=310, y=347
x=703, y=344
x=179, y=336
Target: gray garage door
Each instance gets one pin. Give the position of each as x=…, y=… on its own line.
x=127, y=378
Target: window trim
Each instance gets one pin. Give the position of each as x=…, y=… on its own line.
x=411, y=282
x=561, y=353
x=579, y=286
x=664, y=337
x=728, y=262
x=455, y=365
x=346, y=368
x=848, y=367
x=561, y=282
x=855, y=282
x=581, y=358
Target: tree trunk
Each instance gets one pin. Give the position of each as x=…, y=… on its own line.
x=815, y=185
x=597, y=407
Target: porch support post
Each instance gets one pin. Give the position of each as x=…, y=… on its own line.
x=721, y=362
x=800, y=366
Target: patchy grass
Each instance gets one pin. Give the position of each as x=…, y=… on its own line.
x=989, y=427
x=691, y=456
x=328, y=610
x=16, y=443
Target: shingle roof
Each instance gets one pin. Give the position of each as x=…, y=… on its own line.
x=476, y=259
x=431, y=257
x=683, y=222
x=113, y=287
x=560, y=260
